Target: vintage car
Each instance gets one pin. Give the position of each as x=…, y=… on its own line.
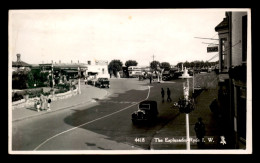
x=147, y=111
x=102, y=82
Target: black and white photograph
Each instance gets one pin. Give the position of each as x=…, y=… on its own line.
x=129, y=81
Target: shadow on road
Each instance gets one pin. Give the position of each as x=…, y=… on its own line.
x=112, y=116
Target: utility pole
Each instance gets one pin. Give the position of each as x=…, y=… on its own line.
x=153, y=57
x=79, y=91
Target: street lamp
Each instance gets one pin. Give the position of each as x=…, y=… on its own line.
x=186, y=105
x=79, y=81
x=52, y=75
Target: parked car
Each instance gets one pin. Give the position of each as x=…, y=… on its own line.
x=147, y=111
x=90, y=82
x=102, y=82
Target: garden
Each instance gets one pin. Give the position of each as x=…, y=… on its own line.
x=32, y=83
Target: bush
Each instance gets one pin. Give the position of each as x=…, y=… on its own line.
x=36, y=92
x=17, y=97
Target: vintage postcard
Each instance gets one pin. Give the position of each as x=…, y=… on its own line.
x=130, y=81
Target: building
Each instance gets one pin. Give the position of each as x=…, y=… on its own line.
x=97, y=68
x=19, y=64
x=232, y=90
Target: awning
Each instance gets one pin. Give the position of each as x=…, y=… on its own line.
x=71, y=71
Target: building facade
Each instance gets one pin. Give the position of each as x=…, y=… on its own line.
x=232, y=93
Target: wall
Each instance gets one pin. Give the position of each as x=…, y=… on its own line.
x=31, y=102
x=98, y=69
x=237, y=37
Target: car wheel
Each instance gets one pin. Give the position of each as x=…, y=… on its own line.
x=133, y=121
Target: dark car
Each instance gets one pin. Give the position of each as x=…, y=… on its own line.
x=102, y=82
x=147, y=111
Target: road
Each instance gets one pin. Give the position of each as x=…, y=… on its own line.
x=105, y=124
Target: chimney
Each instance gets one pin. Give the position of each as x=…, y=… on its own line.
x=89, y=62
x=18, y=57
x=78, y=61
x=59, y=61
x=51, y=61
x=71, y=61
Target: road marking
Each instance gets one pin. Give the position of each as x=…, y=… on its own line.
x=91, y=121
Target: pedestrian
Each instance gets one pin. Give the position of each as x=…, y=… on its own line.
x=49, y=104
x=200, y=132
x=162, y=93
x=85, y=80
x=150, y=79
x=169, y=95
x=38, y=105
x=42, y=102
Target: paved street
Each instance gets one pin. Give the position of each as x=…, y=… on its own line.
x=106, y=123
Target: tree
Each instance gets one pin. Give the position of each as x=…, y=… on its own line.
x=179, y=64
x=186, y=64
x=115, y=66
x=154, y=65
x=130, y=63
x=165, y=65
x=192, y=64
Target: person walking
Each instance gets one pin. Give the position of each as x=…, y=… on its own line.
x=162, y=93
x=85, y=80
x=169, y=95
x=150, y=79
x=49, y=104
x=200, y=132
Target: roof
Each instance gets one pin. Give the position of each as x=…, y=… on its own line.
x=222, y=26
x=20, y=64
x=64, y=65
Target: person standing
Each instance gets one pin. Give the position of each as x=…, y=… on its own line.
x=85, y=80
x=169, y=95
x=200, y=132
x=150, y=79
x=38, y=105
x=42, y=102
x=162, y=93
x=49, y=104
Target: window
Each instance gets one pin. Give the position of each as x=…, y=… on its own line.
x=223, y=53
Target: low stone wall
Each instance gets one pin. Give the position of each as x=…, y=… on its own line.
x=29, y=103
x=206, y=80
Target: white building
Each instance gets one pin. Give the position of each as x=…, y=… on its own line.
x=97, y=68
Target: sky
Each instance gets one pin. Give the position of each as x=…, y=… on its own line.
x=41, y=36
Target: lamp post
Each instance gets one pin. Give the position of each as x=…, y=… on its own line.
x=185, y=75
x=193, y=80
x=52, y=75
x=79, y=81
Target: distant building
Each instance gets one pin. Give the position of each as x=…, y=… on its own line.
x=19, y=64
x=97, y=68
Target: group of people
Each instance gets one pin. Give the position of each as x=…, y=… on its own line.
x=168, y=95
x=44, y=103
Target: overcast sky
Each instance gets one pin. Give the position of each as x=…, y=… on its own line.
x=45, y=35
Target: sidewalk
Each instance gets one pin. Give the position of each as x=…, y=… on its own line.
x=88, y=94
x=177, y=128
x=211, y=123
